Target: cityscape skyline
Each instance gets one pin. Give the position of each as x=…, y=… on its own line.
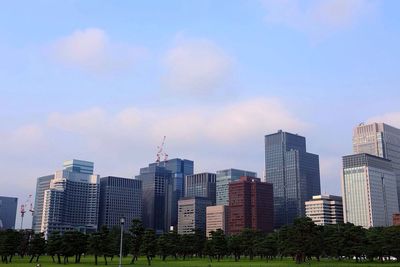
x=104, y=82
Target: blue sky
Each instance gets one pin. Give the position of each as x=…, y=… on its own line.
x=106, y=80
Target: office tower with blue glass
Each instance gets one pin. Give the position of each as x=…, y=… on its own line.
x=179, y=168
x=382, y=140
x=72, y=200
x=224, y=177
x=119, y=198
x=201, y=185
x=42, y=184
x=157, y=197
x=369, y=190
x=294, y=174
x=8, y=212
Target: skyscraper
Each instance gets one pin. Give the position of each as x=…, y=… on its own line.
x=369, y=190
x=71, y=202
x=201, y=185
x=157, y=197
x=42, y=184
x=119, y=198
x=192, y=214
x=325, y=209
x=381, y=140
x=81, y=166
x=294, y=174
x=179, y=168
x=8, y=212
x=224, y=177
x=250, y=205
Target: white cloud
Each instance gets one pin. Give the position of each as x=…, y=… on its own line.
x=392, y=118
x=196, y=66
x=317, y=17
x=91, y=50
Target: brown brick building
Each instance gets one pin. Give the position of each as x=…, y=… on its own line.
x=250, y=205
x=396, y=219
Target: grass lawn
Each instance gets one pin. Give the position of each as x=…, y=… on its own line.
x=89, y=261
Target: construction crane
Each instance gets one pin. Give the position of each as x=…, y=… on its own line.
x=23, y=210
x=161, y=153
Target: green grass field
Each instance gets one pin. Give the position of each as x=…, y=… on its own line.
x=89, y=261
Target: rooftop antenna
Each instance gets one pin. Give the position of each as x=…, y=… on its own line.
x=161, y=153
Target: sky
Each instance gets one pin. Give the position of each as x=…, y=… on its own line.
x=104, y=81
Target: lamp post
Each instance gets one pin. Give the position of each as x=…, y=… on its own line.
x=122, y=221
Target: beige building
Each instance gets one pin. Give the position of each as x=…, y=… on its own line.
x=382, y=140
x=325, y=209
x=192, y=214
x=217, y=218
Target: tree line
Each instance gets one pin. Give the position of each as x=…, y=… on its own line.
x=302, y=241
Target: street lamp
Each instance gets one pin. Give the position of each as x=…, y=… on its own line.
x=122, y=221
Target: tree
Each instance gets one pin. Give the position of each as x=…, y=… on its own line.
x=249, y=240
x=137, y=232
x=219, y=243
x=54, y=246
x=300, y=238
x=95, y=246
x=354, y=241
x=37, y=247
x=24, y=238
x=149, y=245
x=375, y=243
x=9, y=241
x=235, y=246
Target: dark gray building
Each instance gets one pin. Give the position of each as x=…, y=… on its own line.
x=8, y=212
x=42, y=184
x=192, y=214
x=179, y=168
x=119, y=198
x=201, y=185
x=157, y=197
x=294, y=174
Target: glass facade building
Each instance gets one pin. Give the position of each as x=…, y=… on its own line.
x=119, y=198
x=179, y=168
x=157, y=197
x=369, y=190
x=71, y=203
x=294, y=174
x=201, y=185
x=81, y=166
x=8, y=212
x=223, y=178
x=42, y=184
x=381, y=140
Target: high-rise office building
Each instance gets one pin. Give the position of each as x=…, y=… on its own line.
x=224, y=177
x=381, y=140
x=250, y=205
x=294, y=174
x=192, y=214
x=157, y=197
x=201, y=185
x=42, y=184
x=179, y=168
x=217, y=218
x=369, y=190
x=119, y=198
x=325, y=209
x=8, y=212
x=81, y=166
x=71, y=202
